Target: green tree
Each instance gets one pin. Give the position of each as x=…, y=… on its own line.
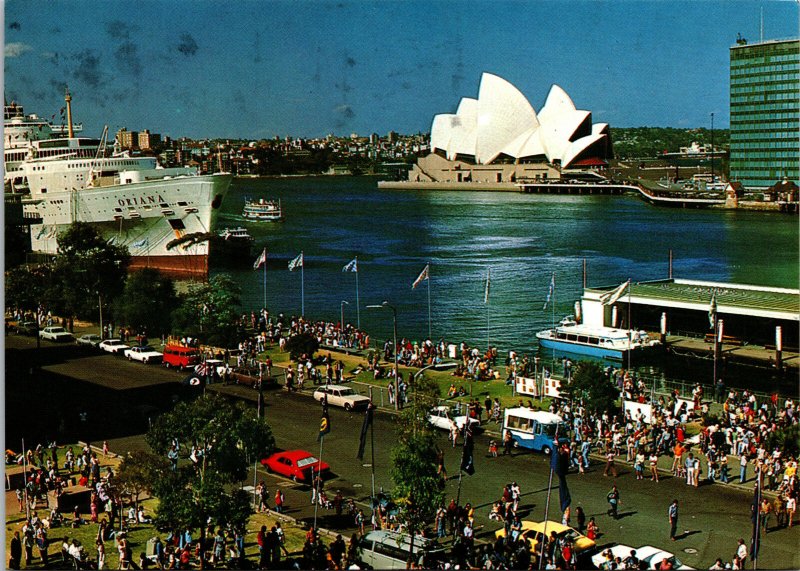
x=591, y=386
x=86, y=268
x=210, y=311
x=227, y=439
x=28, y=286
x=138, y=472
x=147, y=302
x=418, y=487
x=302, y=344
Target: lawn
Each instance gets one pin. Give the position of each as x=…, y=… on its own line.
x=137, y=534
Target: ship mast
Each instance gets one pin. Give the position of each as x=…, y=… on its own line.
x=68, y=100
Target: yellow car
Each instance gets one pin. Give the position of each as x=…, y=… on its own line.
x=533, y=531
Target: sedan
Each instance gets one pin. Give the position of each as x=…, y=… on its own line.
x=341, y=396
x=444, y=417
x=113, y=346
x=144, y=354
x=88, y=340
x=534, y=532
x=27, y=328
x=55, y=334
x=298, y=465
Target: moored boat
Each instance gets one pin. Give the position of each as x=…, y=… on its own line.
x=603, y=342
x=262, y=210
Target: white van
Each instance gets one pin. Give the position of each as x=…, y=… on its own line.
x=383, y=549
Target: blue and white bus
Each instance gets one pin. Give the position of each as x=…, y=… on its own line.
x=534, y=429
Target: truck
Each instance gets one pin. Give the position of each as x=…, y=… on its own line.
x=534, y=429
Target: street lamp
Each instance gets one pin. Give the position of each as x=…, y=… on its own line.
x=386, y=305
x=342, y=322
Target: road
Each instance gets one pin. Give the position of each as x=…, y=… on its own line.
x=712, y=517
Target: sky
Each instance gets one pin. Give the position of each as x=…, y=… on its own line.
x=259, y=69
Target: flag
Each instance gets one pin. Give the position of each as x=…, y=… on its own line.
x=563, y=493
x=467, y=462
x=488, y=285
x=325, y=423
x=141, y=243
x=610, y=297
x=362, y=443
x=296, y=263
x=550, y=291
x=712, y=310
x=422, y=276
x=262, y=259
x=351, y=266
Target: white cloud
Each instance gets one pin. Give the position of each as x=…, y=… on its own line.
x=16, y=49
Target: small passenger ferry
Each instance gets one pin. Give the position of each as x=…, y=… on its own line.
x=603, y=342
x=262, y=210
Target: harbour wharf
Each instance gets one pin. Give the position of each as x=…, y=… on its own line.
x=526, y=187
x=734, y=351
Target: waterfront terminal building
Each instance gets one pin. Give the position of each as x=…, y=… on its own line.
x=500, y=138
x=750, y=313
x=765, y=112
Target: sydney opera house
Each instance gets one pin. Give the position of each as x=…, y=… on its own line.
x=499, y=137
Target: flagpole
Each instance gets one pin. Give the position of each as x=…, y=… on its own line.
x=358, y=309
x=547, y=502
x=265, y=278
x=429, y=302
x=630, y=327
x=316, y=482
x=302, y=291
x=25, y=473
x=372, y=447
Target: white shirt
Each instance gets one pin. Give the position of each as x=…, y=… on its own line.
x=741, y=552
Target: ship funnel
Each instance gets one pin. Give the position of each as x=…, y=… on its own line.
x=68, y=100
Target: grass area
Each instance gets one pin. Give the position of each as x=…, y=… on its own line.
x=496, y=388
x=137, y=535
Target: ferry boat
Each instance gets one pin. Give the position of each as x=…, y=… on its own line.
x=231, y=246
x=262, y=210
x=603, y=342
x=130, y=200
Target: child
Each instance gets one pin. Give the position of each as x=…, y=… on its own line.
x=493, y=449
x=592, y=529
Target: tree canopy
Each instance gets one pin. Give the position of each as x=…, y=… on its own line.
x=593, y=387
x=418, y=487
x=86, y=266
x=209, y=311
x=217, y=441
x=147, y=302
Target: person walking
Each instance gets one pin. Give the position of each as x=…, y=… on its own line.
x=654, y=466
x=15, y=552
x=673, y=519
x=507, y=442
x=610, y=466
x=741, y=553
x=743, y=469
x=791, y=506
x=613, y=499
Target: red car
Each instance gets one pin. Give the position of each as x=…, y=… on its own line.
x=295, y=464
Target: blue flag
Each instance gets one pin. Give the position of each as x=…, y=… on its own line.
x=351, y=266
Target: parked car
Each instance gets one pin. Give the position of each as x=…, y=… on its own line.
x=27, y=328
x=444, y=417
x=89, y=340
x=385, y=549
x=180, y=357
x=113, y=346
x=144, y=354
x=649, y=557
x=535, y=531
x=55, y=334
x=341, y=396
x=295, y=464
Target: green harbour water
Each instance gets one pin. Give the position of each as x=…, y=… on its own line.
x=523, y=239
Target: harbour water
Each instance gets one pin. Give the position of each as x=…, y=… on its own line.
x=524, y=239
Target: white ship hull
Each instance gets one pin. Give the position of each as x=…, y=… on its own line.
x=142, y=216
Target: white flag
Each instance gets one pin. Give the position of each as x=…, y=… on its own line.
x=296, y=263
x=422, y=277
x=351, y=266
x=612, y=296
x=262, y=259
x=488, y=285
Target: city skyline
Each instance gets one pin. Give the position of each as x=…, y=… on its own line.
x=275, y=68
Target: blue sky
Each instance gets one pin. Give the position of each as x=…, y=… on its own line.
x=258, y=69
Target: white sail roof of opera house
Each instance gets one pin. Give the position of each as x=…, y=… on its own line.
x=502, y=122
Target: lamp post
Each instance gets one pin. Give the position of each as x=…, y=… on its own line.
x=386, y=305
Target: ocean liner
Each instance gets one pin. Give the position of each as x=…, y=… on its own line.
x=131, y=200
